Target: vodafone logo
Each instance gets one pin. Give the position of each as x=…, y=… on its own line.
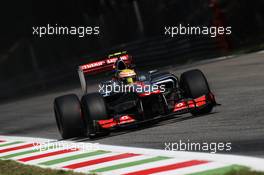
x=179, y=105
x=111, y=60
x=125, y=117
x=124, y=57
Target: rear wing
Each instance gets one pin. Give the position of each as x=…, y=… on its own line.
x=100, y=66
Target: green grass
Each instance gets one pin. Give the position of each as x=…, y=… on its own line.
x=244, y=172
x=9, y=167
x=230, y=170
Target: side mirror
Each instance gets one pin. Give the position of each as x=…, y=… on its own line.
x=153, y=71
x=142, y=78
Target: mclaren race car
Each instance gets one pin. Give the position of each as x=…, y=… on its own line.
x=129, y=97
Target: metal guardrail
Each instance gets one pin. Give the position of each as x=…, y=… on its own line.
x=147, y=53
x=161, y=51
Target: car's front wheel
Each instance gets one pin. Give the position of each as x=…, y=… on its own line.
x=194, y=85
x=68, y=116
x=94, y=109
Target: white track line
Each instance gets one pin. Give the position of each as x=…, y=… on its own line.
x=260, y=52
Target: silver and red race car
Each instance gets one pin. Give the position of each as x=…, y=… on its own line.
x=150, y=96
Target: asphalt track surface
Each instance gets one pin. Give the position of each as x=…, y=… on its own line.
x=238, y=84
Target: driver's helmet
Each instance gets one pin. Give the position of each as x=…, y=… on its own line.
x=120, y=65
x=127, y=76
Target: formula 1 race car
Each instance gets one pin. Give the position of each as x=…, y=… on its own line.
x=130, y=98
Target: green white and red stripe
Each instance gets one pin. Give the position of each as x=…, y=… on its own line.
x=120, y=160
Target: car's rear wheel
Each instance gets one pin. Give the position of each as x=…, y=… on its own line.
x=194, y=85
x=94, y=109
x=68, y=116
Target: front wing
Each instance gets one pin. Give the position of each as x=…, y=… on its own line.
x=181, y=107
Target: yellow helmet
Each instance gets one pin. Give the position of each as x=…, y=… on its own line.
x=127, y=76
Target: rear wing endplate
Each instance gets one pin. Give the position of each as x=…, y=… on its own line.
x=99, y=67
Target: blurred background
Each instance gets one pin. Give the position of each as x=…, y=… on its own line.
x=29, y=64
